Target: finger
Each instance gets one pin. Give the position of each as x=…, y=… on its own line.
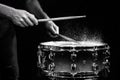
x=50, y=25
x=28, y=21
x=57, y=31
x=56, y=28
x=20, y=24
x=53, y=29
x=24, y=23
x=33, y=19
x=50, y=28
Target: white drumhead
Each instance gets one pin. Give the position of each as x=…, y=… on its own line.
x=73, y=44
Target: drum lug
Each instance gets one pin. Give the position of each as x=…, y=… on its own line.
x=95, y=55
x=73, y=67
x=73, y=56
x=107, y=53
x=95, y=67
x=51, y=67
x=41, y=60
x=107, y=64
x=51, y=56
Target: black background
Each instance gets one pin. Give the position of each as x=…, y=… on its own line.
x=99, y=19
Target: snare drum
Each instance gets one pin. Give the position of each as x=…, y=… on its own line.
x=65, y=59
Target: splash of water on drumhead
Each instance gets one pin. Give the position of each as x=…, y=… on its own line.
x=82, y=33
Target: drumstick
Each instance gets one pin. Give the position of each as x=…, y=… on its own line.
x=65, y=37
x=60, y=18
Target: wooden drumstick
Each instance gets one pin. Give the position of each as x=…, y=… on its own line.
x=60, y=18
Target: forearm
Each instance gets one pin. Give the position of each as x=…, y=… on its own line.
x=5, y=11
x=35, y=8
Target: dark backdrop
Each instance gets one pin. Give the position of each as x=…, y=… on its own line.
x=97, y=20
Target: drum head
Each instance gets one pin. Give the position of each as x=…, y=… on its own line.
x=68, y=45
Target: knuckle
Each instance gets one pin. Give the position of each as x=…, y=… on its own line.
x=24, y=16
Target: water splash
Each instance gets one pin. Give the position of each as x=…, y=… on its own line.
x=84, y=34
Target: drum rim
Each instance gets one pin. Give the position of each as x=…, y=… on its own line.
x=85, y=48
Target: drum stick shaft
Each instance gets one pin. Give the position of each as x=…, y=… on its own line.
x=66, y=38
x=60, y=18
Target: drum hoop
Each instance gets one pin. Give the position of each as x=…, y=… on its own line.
x=77, y=48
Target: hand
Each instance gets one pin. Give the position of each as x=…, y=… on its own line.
x=52, y=27
x=23, y=18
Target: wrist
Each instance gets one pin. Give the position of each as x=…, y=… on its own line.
x=10, y=12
